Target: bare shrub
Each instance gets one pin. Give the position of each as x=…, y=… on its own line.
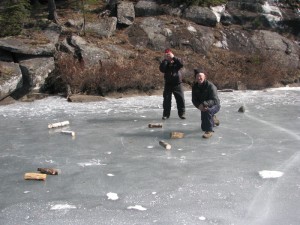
x=101, y=79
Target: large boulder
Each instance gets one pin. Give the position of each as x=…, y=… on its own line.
x=52, y=32
x=148, y=33
x=148, y=8
x=157, y=33
x=284, y=51
x=28, y=46
x=104, y=28
x=126, y=14
x=87, y=53
x=36, y=70
x=10, y=78
x=201, y=15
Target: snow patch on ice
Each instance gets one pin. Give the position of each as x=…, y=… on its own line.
x=112, y=196
x=137, y=207
x=62, y=207
x=94, y=162
x=270, y=174
x=110, y=175
x=202, y=218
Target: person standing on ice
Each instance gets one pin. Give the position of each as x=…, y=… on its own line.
x=171, y=66
x=205, y=98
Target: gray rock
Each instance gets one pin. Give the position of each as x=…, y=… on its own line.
x=201, y=15
x=284, y=51
x=36, y=70
x=27, y=46
x=125, y=13
x=104, y=28
x=242, y=109
x=90, y=54
x=52, y=32
x=10, y=78
x=158, y=34
x=148, y=8
x=74, y=23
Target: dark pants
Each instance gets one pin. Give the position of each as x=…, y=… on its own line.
x=207, y=122
x=177, y=91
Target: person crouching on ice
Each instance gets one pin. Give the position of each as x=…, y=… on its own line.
x=205, y=98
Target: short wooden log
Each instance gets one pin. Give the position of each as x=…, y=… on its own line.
x=155, y=125
x=59, y=124
x=49, y=171
x=165, y=145
x=72, y=133
x=35, y=176
x=176, y=135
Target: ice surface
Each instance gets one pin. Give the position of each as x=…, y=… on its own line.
x=198, y=181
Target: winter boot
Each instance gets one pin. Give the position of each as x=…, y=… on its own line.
x=216, y=121
x=207, y=134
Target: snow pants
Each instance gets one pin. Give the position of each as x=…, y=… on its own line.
x=177, y=91
x=207, y=122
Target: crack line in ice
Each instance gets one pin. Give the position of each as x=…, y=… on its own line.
x=293, y=134
x=260, y=207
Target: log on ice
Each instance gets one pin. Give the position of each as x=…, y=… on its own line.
x=49, y=171
x=59, y=124
x=176, y=135
x=72, y=133
x=155, y=125
x=35, y=176
x=165, y=145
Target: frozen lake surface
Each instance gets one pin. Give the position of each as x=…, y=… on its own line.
x=114, y=172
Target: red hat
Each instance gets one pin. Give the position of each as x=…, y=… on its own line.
x=168, y=50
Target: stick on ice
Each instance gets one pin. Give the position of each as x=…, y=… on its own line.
x=72, y=133
x=155, y=125
x=59, y=124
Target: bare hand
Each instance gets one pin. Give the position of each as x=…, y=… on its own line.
x=202, y=108
x=169, y=56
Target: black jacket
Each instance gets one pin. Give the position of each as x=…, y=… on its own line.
x=171, y=71
x=205, y=94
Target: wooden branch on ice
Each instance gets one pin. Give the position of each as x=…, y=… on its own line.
x=165, y=145
x=35, y=176
x=155, y=125
x=72, y=133
x=59, y=124
x=176, y=135
x=49, y=171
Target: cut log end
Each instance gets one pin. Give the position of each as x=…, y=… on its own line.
x=165, y=145
x=176, y=135
x=49, y=171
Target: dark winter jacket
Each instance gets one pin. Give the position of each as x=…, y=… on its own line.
x=205, y=94
x=171, y=71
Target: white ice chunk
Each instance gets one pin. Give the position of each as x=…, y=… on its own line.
x=110, y=175
x=112, y=196
x=62, y=207
x=202, y=218
x=270, y=174
x=137, y=207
